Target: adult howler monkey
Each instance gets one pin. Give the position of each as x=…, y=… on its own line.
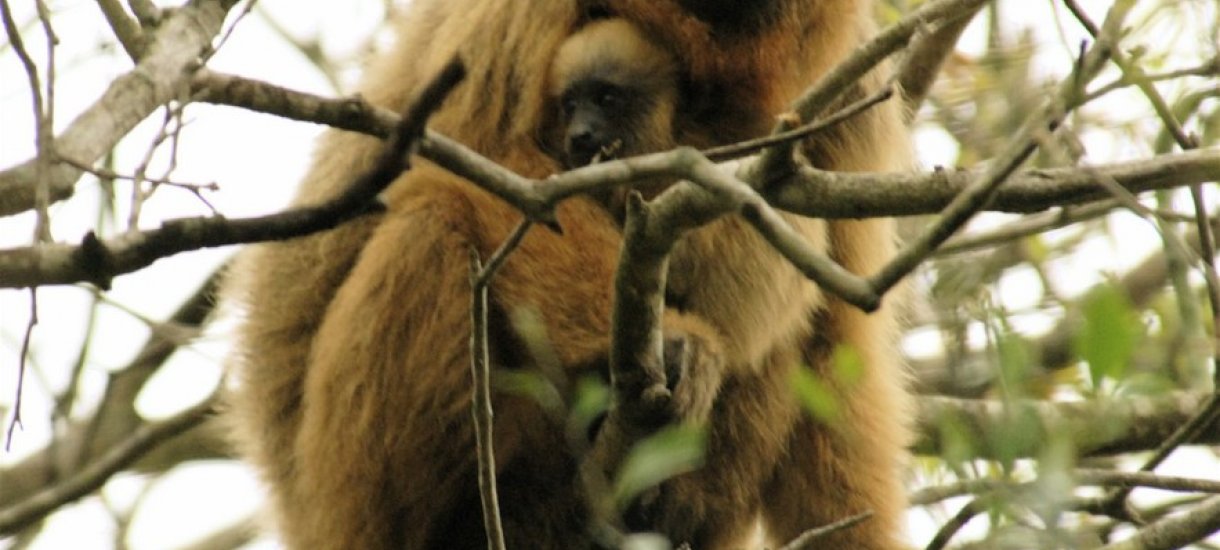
x=352, y=393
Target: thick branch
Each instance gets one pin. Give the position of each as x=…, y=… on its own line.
x=158, y=78
x=925, y=57
x=1098, y=427
x=1175, y=531
x=812, y=192
x=98, y=262
x=850, y=195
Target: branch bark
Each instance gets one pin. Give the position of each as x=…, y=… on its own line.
x=161, y=75
x=94, y=475
x=1175, y=531
x=116, y=416
x=1098, y=427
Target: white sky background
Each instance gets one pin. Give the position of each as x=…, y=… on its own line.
x=257, y=159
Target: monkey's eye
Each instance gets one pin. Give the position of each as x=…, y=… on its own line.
x=611, y=100
x=568, y=105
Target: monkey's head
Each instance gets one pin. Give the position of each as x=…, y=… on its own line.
x=615, y=91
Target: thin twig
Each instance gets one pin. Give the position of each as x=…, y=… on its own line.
x=15, y=422
x=35, y=85
x=1209, y=68
x=481, y=408
x=745, y=148
x=501, y=254
x=93, y=476
x=1082, y=477
x=111, y=174
x=974, y=198
x=807, y=539
x=46, y=132
x=959, y=520
x=480, y=371
x=1176, y=531
x=1024, y=227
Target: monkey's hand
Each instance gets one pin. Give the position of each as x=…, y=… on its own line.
x=693, y=361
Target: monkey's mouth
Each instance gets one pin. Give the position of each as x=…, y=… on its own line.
x=609, y=151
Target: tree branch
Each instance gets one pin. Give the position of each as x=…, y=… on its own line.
x=115, y=416
x=94, y=475
x=1098, y=427
x=1175, y=531
x=158, y=78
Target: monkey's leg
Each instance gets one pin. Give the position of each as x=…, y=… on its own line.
x=852, y=463
x=284, y=289
x=715, y=507
x=384, y=432
x=386, y=440
x=832, y=474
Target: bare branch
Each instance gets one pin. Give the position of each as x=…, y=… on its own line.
x=888, y=41
x=811, y=192
x=959, y=520
x=925, y=57
x=480, y=371
x=115, y=417
x=1098, y=427
x=978, y=194
x=1175, y=531
x=161, y=73
x=126, y=28
x=809, y=538
x=93, y=476
x=1082, y=477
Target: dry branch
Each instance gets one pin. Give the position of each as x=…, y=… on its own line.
x=1097, y=427
x=1175, y=531
x=161, y=75
x=95, y=474
x=116, y=416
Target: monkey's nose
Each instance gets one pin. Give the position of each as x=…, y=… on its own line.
x=582, y=146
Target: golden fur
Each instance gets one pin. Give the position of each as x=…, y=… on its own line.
x=353, y=384
x=612, y=55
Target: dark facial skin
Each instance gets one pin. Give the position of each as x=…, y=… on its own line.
x=598, y=115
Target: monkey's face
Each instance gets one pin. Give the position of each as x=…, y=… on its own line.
x=604, y=120
x=597, y=122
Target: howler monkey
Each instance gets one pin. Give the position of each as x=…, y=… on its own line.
x=352, y=364
x=615, y=94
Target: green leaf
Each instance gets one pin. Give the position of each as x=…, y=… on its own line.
x=591, y=402
x=530, y=384
x=1014, y=359
x=815, y=395
x=848, y=365
x=1110, y=334
x=672, y=451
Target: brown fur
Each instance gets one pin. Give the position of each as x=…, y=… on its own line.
x=616, y=54
x=613, y=55
x=353, y=384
